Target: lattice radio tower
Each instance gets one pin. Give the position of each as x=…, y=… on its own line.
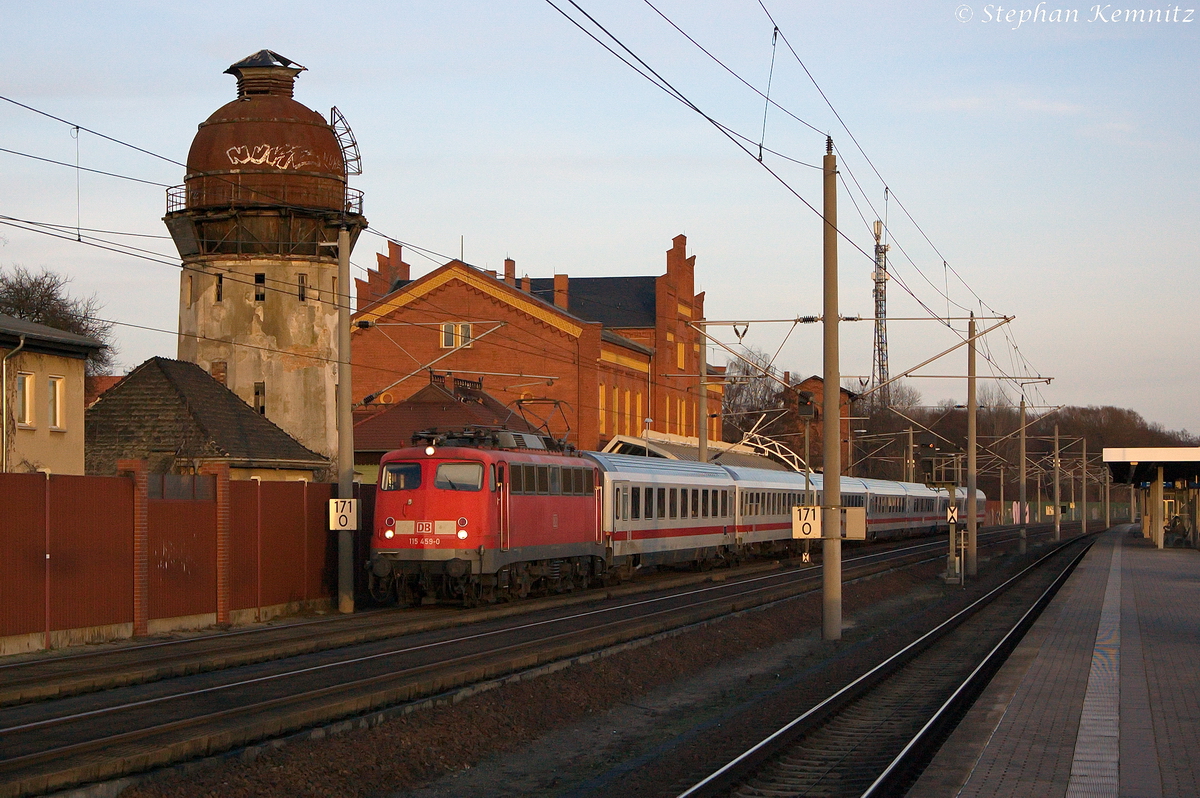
x=879, y=360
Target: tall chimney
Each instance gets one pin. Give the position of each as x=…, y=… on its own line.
x=510, y=271
x=560, y=291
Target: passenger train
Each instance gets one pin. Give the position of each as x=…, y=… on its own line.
x=483, y=516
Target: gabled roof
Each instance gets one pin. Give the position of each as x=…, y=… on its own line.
x=530, y=304
x=432, y=407
x=167, y=409
x=615, y=301
x=45, y=339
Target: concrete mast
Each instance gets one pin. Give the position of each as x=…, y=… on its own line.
x=831, y=491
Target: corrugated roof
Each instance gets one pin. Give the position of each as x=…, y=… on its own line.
x=167, y=409
x=656, y=466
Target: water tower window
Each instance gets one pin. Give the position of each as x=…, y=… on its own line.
x=302, y=287
x=260, y=398
x=260, y=287
x=220, y=287
x=219, y=371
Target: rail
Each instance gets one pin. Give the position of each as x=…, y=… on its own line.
x=753, y=760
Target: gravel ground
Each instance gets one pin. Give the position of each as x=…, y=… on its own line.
x=599, y=728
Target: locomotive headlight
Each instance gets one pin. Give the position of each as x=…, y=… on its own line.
x=389, y=534
x=429, y=450
x=462, y=534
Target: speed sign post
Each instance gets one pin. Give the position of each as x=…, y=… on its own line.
x=343, y=514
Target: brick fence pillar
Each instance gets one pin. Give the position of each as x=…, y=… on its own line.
x=137, y=470
x=221, y=472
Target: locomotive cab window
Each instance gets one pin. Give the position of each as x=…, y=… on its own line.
x=459, y=476
x=400, y=476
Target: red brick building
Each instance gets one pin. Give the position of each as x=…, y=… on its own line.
x=611, y=351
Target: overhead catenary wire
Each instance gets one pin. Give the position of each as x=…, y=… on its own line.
x=725, y=129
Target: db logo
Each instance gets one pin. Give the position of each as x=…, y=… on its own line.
x=424, y=527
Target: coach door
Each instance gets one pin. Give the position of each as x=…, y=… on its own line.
x=502, y=488
x=620, y=510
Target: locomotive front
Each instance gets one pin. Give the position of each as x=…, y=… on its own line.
x=435, y=515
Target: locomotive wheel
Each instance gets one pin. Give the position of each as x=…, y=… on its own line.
x=382, y=589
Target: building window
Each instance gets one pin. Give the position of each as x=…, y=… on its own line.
x=55, y=394
x=302, y=287
x=679, y=355
x=455, y=335
x=219, y=371
x=628, y=415
x=602, y=409
x=24, y=399
x=616, y=410
x=220, y=287
x=260, y=398
x=260, y=287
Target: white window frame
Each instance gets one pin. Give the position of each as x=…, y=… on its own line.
x=455, y=334
x=25, y=396
x=56, y=394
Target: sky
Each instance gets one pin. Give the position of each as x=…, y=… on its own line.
x=1040, y=164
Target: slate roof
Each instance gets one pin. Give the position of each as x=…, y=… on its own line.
x=615, y=301
x=167, y=409
x=432, y=407
x=45, y=339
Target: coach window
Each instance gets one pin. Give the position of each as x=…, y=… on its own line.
x=400, y=476
x=695, y=502
x=543, y=479
x=724, y=503
x=649, y=503
x=635, y=503
x=662, y=503
x=674, y=501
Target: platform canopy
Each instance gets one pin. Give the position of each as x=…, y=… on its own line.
x=1179, y=464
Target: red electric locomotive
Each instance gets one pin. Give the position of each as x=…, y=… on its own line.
x=482, y=515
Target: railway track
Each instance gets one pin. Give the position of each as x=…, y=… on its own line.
x=57, y=676
x=872, y=737
x=51, y=744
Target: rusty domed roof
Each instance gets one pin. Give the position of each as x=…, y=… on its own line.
x=264, y=148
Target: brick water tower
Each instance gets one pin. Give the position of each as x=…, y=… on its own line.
x=256, y=224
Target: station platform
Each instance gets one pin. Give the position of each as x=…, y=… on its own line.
x=1101, y=697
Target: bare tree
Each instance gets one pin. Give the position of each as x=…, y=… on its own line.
x=748, y=390
x=42, y=298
